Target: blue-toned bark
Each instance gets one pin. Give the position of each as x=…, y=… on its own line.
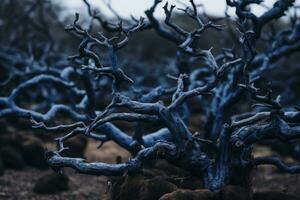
x=225, y=79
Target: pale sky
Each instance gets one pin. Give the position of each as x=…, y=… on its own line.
x=137, y=7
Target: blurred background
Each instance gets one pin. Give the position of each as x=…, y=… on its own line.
x=126, y=8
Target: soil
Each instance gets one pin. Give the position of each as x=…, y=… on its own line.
x=19, y=184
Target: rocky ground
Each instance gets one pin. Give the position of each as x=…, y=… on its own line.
x=20, y=184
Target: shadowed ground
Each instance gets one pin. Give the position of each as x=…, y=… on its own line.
x=19, y=184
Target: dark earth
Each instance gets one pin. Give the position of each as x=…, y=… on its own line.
x=267, y=182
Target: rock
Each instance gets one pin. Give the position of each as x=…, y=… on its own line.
x=272, y=195
x=51, y=183
x=126, y=187
x=12, y=158
x=33, y=153
x=232, y=192
x=13, y=140
x=137, y=187
x=1, y=167
x=151, y=173
x=189, y=182
x=155, y=188
x=76, y=147
x=182, y=178
x=182, y=194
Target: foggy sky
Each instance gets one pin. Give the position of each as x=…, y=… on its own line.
x=137, y=7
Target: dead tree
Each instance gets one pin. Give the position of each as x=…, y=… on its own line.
x=228, y=76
